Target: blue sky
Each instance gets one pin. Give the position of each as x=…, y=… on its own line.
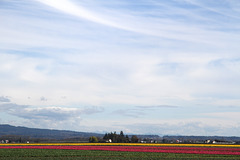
x=144, y=67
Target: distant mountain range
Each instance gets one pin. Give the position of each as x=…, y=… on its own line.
x=6, y=129
x=196, y=139
x=35, y=133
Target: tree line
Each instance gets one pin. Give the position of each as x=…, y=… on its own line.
x=115, y=138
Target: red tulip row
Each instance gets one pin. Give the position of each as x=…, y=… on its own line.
x=189, y=150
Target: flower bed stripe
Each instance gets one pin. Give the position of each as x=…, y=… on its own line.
x=120, y=144
x=189, y=150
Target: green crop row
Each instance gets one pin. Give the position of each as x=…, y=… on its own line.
x=52, y=154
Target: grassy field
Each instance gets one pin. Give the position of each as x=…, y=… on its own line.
x=54, y=154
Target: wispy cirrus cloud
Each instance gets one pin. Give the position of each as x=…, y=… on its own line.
x=218, y=8
x=133, y=22
x=79, y=11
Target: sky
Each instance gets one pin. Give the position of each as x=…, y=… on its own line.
x=140, y=66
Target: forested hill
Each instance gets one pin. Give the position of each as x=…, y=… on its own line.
x=43, y=133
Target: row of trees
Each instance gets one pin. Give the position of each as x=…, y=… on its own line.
x=14, y=138
x=115, y=138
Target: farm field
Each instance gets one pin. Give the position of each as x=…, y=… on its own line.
x=104, y=151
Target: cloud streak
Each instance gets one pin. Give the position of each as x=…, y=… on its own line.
x=160, y=26
x=71, y=8
x=212, y=7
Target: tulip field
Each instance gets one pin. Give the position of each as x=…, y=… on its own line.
x=118, y=151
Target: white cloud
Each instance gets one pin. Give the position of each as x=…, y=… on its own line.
x=117, y=54
x=48, y=117
x=227, y=102
x=6, y=107
x=157, y=106
x=43, y=99
x=228, y=116
x=53, y=113
x=197, y=127
x=4, y=99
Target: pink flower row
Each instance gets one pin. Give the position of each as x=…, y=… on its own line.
x=190, y=150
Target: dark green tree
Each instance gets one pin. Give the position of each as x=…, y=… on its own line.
x=116, y=138
x=134, y=139
x=121, y=138
x=93, y=139
x=127, y=139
